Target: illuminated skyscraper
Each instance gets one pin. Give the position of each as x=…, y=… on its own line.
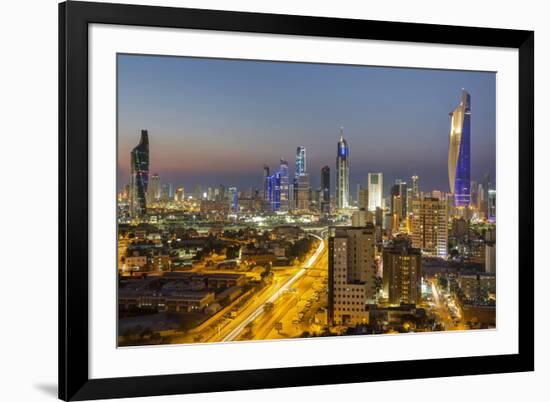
x=375, y=190
x=233, y=199
x=402, y=273
x=459, y=152
x=415, y=188
x=325, y=189
x=278, y=188
x=283, y=186
x=429, y=226
x=342, y=173
x=139, y=176
x=302, y=193
x=300, y=161
x=300, y=197
x=399, y=195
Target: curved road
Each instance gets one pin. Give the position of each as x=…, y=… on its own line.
x=231, y=336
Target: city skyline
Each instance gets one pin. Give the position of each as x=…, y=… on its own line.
x=178, y=164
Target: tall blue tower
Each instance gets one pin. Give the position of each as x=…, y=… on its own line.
x=459, y=152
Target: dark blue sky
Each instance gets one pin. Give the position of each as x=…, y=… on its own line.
x=215, y=121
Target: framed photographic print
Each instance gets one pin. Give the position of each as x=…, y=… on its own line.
x=257, y=201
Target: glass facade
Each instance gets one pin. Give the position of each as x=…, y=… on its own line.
x=342, y=173
x=139, y=176
x=459, y=152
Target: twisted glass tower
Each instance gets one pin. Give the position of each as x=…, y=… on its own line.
x=139, y=176
x=459, y=152
x=342, y=173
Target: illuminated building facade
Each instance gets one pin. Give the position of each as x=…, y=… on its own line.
x=352, y=272
x=139, y=176
x=402, y=273
x=429, y=226
x=342, y=173
x=459, y=152
x=375, y=190
x=300, y=196
x=233, y=199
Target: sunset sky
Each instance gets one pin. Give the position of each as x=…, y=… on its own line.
x=215, y=121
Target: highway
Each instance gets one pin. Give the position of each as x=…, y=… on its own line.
x=295, y=311
x=249, y=317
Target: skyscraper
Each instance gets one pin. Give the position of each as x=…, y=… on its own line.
x=459, y=152
x=415, y=187
x=375, y=190
x=302, y=196
x=300, y=199
x=283, y=186
x=342, y=173
x=233, y=199
x=402, y=273
x=300, y=161
x=399, y=195
x=139, y=176
x=153, y=190
x=352, y=272
x=325, y=189
x=429, y=226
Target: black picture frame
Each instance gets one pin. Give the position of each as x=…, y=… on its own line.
x=74, y=381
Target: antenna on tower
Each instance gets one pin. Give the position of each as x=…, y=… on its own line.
x=341, y=133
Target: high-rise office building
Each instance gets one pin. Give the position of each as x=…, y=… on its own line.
x=300, y=198
x=325, y=190
x=153, y=189
x=300, y=166
x=283, y=186
x=303, y=193
x=375, y=190
x=415, y=187
x=399, y=195
x=459, y=152
x=233, y=198
x=352, y=274
x=429, y=226
x=278, y=188
x=402, y=273
x=139, y=176
x=342, y=173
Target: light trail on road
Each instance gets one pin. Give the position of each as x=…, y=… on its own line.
x=256, y=313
